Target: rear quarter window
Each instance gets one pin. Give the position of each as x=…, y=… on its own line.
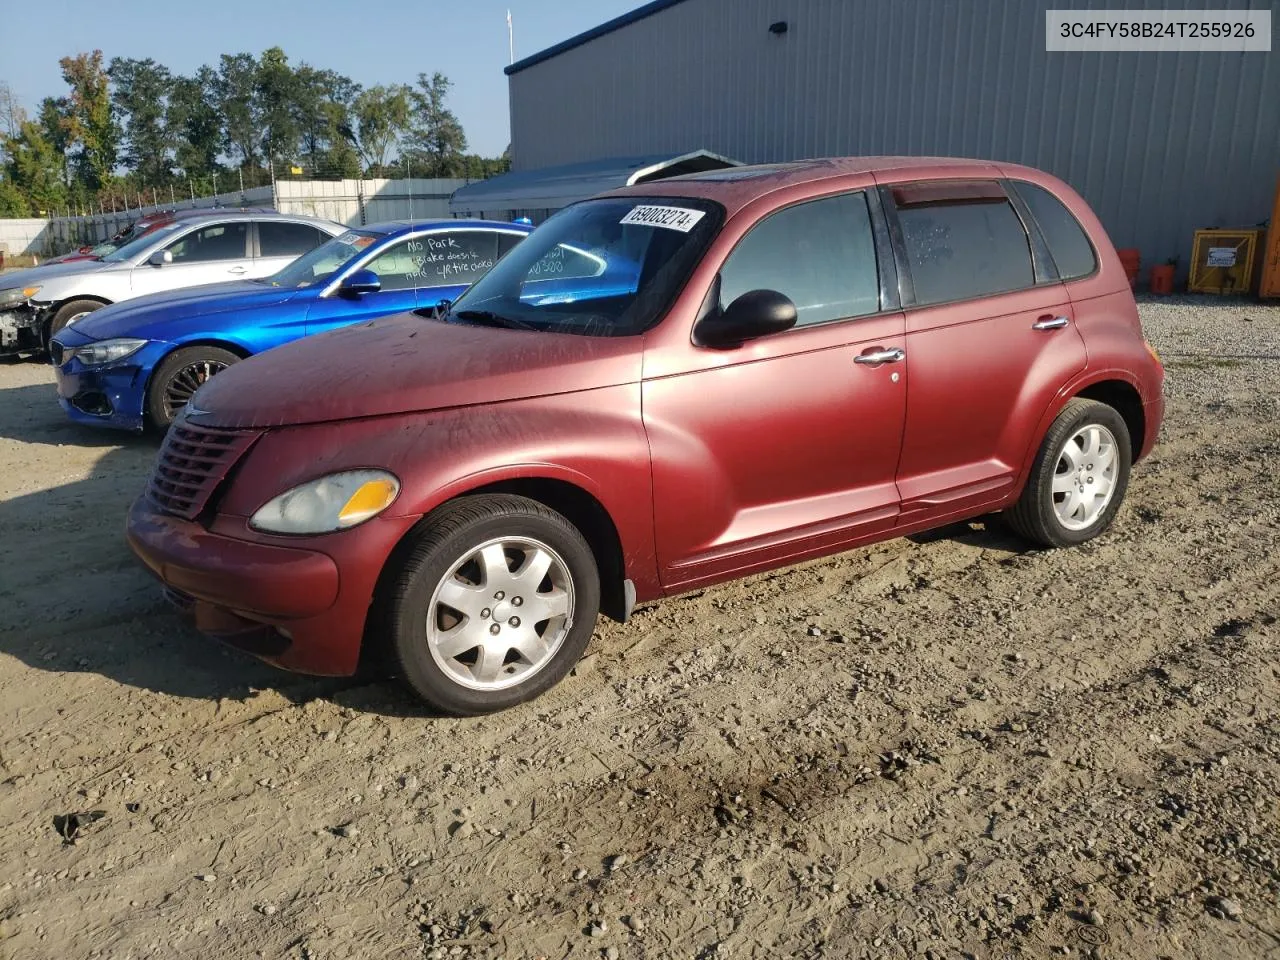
x=961, y=249
x=1068, y=243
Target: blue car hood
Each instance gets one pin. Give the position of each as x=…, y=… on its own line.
x=152, y=317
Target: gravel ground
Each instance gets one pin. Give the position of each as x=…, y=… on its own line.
x=947, y=746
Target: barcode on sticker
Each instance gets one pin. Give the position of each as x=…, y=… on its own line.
x=672, y=218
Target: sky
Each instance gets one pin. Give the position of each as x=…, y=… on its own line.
x=379, y=42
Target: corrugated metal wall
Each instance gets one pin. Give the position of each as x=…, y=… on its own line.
x=1159, y=143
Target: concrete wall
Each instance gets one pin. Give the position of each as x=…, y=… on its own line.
x=352, y=202
x=1158, y=143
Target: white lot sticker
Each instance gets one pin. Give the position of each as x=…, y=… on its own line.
x=673, y=218
x=1221, y=257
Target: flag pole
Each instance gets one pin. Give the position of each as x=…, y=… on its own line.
x=511, y=42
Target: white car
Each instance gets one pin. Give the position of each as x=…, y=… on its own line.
x=35, y=304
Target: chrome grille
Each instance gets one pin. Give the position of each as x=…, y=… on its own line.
x=192, y=462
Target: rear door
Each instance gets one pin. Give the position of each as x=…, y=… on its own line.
x=989, y=335
x=280, y=242
x=207, y=253
x=421, y=270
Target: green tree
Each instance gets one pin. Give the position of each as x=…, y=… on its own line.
x=34, y=169
x=323, y=103
x=12, y=202
x=233, y=90
x=141, y=88
x=381, y=116
x=276, y=90
x=194, y=124
x=436, y=142
x=91, y=125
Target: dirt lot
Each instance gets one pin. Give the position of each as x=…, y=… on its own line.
x=942, y=747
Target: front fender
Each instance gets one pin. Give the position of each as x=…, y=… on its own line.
x=592, y=439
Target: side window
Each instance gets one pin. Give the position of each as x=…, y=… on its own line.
x=959, y=249
x=507, y=242
x=278, y=238
x=821, y=254
x=218, y=241
x=1068, y=243
x=445, y=259
x=396, y=267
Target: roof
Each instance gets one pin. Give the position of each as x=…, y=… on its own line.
x=737, y=187
x=237, y=213
x=550, y=188
x=617, y=23
x=398, y=226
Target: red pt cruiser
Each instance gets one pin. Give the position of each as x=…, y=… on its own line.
x=665, y=387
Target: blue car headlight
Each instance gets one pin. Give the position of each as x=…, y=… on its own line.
x=102, y=352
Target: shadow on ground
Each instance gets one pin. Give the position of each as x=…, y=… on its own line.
x=73, y=598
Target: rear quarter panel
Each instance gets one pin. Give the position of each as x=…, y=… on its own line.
x=1105, y=314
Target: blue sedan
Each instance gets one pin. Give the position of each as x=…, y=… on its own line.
x=138, y=362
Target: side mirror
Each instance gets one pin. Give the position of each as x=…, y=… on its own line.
x=160, y=258
x=360, y=282
x=757, y=313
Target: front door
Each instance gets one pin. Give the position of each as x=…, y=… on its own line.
x=420, y=271
x=990, y=336
x=799, y=433
x=211, y=253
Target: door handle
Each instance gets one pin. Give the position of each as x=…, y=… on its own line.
x=1050, y=323
x=877, y=357
x=238, y=270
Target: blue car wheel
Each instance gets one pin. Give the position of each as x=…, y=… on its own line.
x=179, y=376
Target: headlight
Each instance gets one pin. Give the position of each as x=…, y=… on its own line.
x=16, y=295
x=326, y=504
x=104, y=351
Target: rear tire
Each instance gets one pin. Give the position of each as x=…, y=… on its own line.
x=69, y=311
x=1079, y=477
x=490, y=604
x=178, y=376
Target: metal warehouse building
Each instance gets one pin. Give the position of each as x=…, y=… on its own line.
x=1159, y=143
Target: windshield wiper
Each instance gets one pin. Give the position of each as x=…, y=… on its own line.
x=490, y=319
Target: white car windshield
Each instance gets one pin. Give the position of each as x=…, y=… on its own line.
x=143, y=243
x=324, y=261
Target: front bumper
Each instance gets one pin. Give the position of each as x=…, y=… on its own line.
x=110, y=396
x=20, y=330
x=301, y=608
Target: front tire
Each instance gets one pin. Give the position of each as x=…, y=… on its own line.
x=179, y=376
x=72, y=310
x=492, y=603
x=1079, y=477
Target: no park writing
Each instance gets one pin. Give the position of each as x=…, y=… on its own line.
x=440, y=258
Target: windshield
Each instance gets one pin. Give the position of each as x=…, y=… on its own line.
x=324, y=261
x=140, y=245
x=102, y=249
x=603, y=268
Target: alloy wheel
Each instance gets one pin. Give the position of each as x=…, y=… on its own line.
x=1084, y=478
x=185, y=382
x=501, y=613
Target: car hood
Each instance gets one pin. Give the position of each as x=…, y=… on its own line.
x=405, y=364
x=48, y=272
x=153, y=317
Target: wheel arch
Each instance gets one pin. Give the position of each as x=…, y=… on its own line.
x=229, y=345
x=574, y=502
x=1115, y=388
x=1123, y=397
